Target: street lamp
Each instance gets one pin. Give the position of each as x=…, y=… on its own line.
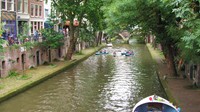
x=76, y=23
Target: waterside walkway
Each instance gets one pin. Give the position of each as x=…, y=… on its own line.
x=177, y=88
x=11, y=86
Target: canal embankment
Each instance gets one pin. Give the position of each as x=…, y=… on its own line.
x=11, y=86
x=177, y=88
x=162, y=71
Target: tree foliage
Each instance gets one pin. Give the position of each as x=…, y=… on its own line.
x=175, y=23
x=1, y=40
x=23, y=35
x=188, y=14
x=152, y=16
x=85, y=11
x=52, y=38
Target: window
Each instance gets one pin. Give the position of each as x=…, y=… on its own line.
x=46, y=12
x=31, y=27
x=10, y=5
x=41, y=25
x=26, y=6
x=40, y=11
x=19, y=6
x=35, y=25
x=32, y=10
x=3, y=4
x=38, y=26
x=36, y=10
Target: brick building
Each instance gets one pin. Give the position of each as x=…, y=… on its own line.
x=36, y=11
x=8, y=16
x=22, y=15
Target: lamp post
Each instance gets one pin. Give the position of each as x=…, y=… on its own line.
x=67, y=23
x=76, y=23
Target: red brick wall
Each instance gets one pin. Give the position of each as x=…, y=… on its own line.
x=12, y=58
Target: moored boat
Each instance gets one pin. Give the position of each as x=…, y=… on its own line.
x=155, y=103
x=101, y=52
x=97, y=53
x=127, y=53
x=109, y=45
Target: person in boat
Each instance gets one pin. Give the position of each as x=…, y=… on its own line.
x=104, y=52
x=114, y=54
x=155, y=97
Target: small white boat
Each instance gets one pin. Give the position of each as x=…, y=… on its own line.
x=109, y=45
x=155, y=103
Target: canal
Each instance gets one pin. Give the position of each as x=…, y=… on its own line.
x=101, y=83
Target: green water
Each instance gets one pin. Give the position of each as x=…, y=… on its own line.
x=102, y=83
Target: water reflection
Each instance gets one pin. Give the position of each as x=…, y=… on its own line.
x=102, y=83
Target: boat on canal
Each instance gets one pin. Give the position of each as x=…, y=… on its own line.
x=155, y=103
x=127, y=53
x=101, y=52
x=109, y=45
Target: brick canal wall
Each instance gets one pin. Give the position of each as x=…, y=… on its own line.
x=18, y=59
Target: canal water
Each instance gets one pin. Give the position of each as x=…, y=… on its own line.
x=101, y=83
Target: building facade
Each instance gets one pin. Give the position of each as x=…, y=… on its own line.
x=15, y=13
x=8, y=16
x=22, y=15
x=0, y=12
x=36, y=11
x=47, y=14
x=50, y=11
x=47, y=10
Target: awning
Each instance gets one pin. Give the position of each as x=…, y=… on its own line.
x=7, y=16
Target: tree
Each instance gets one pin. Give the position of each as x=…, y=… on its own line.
x=51, y=38
x=71, y=10
x=75, y=10
x=152, y=16
x=23, y=35
x=1, y=40
x=189, y=19
x=95, y=20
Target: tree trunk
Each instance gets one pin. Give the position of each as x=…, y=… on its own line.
x=106, y=40
x=72, y=43
x=170, y=59
x=166, y=45
x=100, y=37
x=127, y=41
x=96, y=38
x=198, y=75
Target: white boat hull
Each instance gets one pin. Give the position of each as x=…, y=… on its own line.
x=154, y=104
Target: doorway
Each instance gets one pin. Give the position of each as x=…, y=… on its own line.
x=23, y=61
x=49, y=51
x=3, y=66
x=38, y=58
x=59, y=52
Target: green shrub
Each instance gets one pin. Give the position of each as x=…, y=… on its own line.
x=46, y=63
x=79, y=53
x=12, y=73
x=52, y=65
x=24, y=77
